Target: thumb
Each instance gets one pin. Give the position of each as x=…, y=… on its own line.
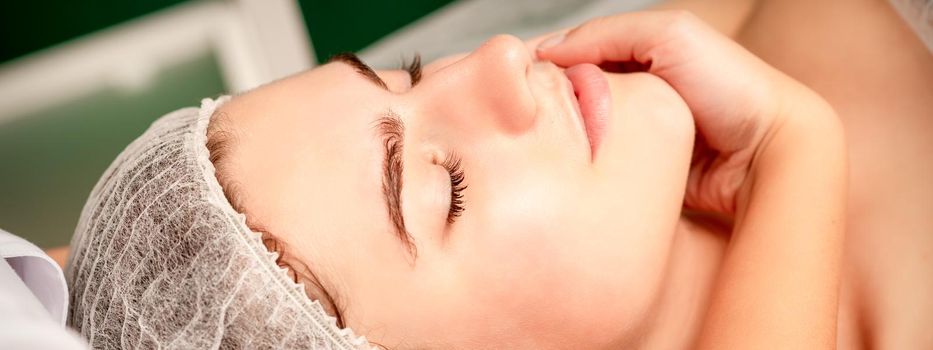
x=627, y=37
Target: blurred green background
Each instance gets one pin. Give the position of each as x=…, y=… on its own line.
x=335, y=25
x=51, y=158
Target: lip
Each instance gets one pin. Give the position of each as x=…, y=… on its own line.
x=592, y=92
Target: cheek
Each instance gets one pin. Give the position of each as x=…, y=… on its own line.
x=643, y=179
x=521, y=253
x=545, y=257
x=590, y=245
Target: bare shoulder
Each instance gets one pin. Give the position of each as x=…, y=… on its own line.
x=863, y=58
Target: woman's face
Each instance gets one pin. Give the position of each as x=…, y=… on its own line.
x=554, y=246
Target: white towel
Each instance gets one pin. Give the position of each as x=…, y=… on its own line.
x=33, y=298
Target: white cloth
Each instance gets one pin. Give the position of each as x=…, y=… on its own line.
x=33, y=298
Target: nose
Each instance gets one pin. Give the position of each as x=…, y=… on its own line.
x=485, y=90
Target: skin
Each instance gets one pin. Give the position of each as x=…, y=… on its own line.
x=783, y=210
x=883, y=93
x=771, y=155
x=762, y=154
x=541, y=245
x=864, y=59
x=869, y=315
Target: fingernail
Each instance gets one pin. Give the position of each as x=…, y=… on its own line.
x=552, y=41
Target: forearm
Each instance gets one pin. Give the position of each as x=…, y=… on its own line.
x=778, y=284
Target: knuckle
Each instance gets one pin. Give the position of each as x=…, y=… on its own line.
x=680, y=22
x=591, y=26
x=682, y=16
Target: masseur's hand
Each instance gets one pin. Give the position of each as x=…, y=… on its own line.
x=770, y=152
x=735, y=98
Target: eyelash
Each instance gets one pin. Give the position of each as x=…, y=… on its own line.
x=457, y=185
x=413, y=68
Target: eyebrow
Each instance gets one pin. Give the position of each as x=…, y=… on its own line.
x=392, y=131
x=365, y=70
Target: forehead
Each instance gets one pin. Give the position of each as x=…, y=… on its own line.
x=305, y=157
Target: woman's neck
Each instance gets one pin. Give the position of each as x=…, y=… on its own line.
x=696, y=253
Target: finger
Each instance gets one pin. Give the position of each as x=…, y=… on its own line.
x=533, y=43
x=644, y=37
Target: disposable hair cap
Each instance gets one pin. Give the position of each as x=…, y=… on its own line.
x=160, y=259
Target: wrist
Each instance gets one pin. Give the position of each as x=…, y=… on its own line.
x=804, y=140
x=786, y=243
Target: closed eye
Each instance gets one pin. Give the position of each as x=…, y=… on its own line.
x=457, y=186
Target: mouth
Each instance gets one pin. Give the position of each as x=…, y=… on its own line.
x=591, y=90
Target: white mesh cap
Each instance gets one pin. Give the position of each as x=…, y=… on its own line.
x=160, y=259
